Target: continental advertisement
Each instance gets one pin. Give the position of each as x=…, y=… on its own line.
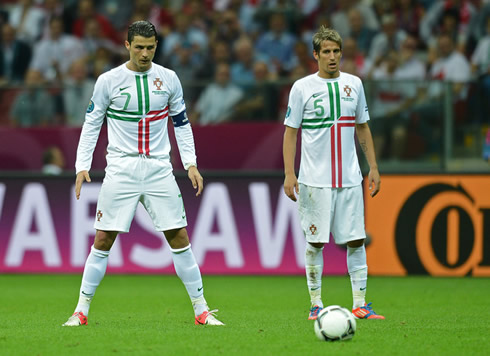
x=435, y=225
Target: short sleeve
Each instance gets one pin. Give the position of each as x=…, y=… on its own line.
x=294, y=113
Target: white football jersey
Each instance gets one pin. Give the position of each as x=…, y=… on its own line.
x=327, y=110
x=137, y=106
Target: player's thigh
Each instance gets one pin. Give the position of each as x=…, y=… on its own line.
x=348, y=220
x=163, y=201
x=116, y=206
x=315, y=209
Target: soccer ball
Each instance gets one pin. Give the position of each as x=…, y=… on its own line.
x=335, y=323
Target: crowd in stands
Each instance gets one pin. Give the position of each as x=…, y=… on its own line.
x=240, y=57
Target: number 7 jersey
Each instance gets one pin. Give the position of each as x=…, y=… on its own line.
x=327, y=111
x=137, y=106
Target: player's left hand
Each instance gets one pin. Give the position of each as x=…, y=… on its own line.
x=196, y=179
x=374, y=181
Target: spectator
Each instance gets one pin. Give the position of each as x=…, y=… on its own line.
x=55, y=8
x=480, y=59
x=184, y=41
x=294, y=75
x=390, y=38
x=432, y=22
x=160, y=16
x=96, y=46
x=289, y=9
x=359, y=32
x=116, y=12
x=216, y=103
x=198, y=14
x=15, y=56
x=77, y=91
x=246, y=10
x=451, y=66
x=27, y=19
x=86, y=11
x=219, y=52
x=449, y=26
x=53, y=56
x=260, y=100
x=320, y=15
x=410, y=65
x=242, y=72
x=478, y=25
x=307, y=33
x=227, y=28
x=340, y=20
x=34, y=106
x=394, y=92
x=303, y=57
x=277, y=44
x=352, y=61
x=408, y=15
x=480, y=65
x=53, y=161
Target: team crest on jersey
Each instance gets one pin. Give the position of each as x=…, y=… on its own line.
x=157, y=84
x=347, y=91
x=90, y=107
x=288, y=112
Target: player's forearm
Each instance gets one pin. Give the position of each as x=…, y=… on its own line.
x=185, y=143
x=87, y=143
x=289, y=150
x=366, y=143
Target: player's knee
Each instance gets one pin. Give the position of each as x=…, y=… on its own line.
x=104, y=240
x=355, y=243
x=177, y=238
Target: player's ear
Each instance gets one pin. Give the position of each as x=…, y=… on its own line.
x=128, y=46
x=315, y=54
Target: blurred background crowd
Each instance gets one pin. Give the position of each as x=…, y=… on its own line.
x=425, y=63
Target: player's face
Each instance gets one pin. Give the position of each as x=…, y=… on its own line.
x=141, y=53
x=328, y=59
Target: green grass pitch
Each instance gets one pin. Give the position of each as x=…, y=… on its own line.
x=139, y=315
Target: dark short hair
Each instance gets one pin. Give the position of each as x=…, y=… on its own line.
x=141, y=28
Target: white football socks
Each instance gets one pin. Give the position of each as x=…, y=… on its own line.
x=356, y=264
x=314, y=270
x=93, y=273
x=188, y=271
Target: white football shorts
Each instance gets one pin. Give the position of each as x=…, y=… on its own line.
x=339, y=211
x=132, y=179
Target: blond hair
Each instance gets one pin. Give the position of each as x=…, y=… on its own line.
x=325, y=34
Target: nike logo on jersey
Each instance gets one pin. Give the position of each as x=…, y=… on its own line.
x=316, y=95
x=121, y=89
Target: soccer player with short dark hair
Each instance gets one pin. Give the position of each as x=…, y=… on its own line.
x=137, y=98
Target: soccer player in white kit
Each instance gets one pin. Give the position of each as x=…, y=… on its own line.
x=330, y=108
x=137, y=98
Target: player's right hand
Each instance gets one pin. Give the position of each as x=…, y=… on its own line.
x=81, y=177
x=291, y=186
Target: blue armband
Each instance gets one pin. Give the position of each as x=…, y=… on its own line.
x=180, y=119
